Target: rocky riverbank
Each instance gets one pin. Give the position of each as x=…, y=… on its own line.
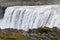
x=42, y=33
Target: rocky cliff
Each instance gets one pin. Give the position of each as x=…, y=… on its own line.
x=27, y=2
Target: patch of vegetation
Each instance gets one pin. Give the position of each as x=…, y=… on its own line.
x=11, y=34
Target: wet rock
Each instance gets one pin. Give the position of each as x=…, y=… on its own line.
x=2, y=11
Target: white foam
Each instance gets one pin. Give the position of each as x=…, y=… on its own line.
x=28, y=17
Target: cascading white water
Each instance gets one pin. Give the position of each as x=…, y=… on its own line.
x=28, y=17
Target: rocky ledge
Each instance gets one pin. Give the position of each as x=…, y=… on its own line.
x=42, y=33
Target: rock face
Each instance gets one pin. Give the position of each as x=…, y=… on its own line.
x=42, y=33
x=2, y=11
x=27, y=2
x=22, y=2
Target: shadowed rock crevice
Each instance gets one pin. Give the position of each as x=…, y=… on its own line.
x=2, y=11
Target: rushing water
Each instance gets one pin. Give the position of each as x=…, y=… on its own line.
x=28, y=17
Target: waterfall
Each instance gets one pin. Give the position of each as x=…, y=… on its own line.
x=28, y=17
